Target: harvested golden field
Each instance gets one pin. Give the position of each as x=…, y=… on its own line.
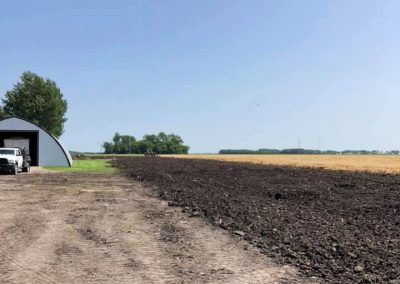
x=378, y=163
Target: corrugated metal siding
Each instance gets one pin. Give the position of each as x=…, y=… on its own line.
x=51, y=151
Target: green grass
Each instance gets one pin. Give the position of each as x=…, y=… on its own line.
x=112, y=155
x=86, y=166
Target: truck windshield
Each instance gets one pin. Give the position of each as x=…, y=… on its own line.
x=6, y=152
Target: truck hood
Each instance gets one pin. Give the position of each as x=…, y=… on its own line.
x=8, y=157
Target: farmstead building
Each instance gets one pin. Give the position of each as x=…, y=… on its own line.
x=43, y=148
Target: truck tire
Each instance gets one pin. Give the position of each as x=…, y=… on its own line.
x=14, y=171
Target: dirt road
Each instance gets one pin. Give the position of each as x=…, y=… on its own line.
x=76, y=228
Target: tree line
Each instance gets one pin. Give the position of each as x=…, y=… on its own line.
x=160, y=143
x=307, y=152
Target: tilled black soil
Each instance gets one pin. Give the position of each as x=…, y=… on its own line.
x=343, y=227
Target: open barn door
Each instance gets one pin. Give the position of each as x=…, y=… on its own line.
x=22, y=139
x=17, y=142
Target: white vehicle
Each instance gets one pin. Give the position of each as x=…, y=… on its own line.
x=12, y=160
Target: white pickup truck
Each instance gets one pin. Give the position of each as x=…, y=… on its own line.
x=12, y=160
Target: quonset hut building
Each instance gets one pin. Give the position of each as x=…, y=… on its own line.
x=44, y=149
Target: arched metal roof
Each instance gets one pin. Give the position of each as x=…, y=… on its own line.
x=17, y=123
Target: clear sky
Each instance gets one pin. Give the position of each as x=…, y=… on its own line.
x=222, y=74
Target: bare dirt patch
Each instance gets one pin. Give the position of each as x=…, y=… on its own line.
x=343, y=227
x=91, y=228
x=369, y=163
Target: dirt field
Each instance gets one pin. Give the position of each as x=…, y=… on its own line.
x=91, y=228
x=343, y=227
x=371, y=163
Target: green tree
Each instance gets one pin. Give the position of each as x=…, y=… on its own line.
x=128, y=144
x=121, y=144
x=161, y=143
x=175, y=145
x=38, y=100
x=108, y=148
x=151, y=142
x=144, y=146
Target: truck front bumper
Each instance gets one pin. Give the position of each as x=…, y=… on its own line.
x=6, y=167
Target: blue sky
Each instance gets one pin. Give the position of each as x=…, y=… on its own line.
x=222, y=74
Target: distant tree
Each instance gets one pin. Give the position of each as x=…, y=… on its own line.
x=150, y=142
x=268, y=151
x=38, y=100
x=161, y=143
x=166, y=143
x=108, y=148
x=175, y=145
x=236, y=151
x=123, y=144
x=144, y=146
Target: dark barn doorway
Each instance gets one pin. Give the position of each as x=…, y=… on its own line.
x=33, y=137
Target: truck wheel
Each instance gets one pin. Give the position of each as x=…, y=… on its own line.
x=14, y=171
